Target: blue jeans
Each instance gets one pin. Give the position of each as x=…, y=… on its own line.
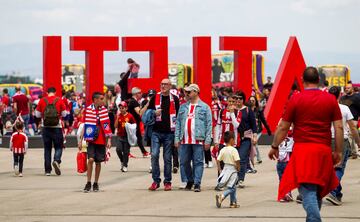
x=340, y=170
x=26, y=119
x=166, y=139
x=232, y=192
x=311, y=201
x=244, y=152
x=280, y=168
x=194, y=153
x=52, y=136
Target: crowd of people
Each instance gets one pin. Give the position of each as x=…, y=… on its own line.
x=193, y=134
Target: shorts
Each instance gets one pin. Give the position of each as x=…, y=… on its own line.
x=97, y=152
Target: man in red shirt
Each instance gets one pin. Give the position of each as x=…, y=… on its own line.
x=21, y=106
x=52, y=131
x=311, y=166
x=97, y=133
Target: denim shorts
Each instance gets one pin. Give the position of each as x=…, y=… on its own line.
x=97, y=152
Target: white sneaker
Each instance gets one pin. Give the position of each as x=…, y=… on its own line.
x=47, y=174
x=150, y=169
x=241, y=184
x=211, y=165
x=20, y=175
x=182, y=185
x=206, y=165
x=16, y=170
x=124, y=169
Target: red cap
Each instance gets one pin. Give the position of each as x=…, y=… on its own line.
x=123, y=103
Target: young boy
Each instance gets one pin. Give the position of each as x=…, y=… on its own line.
x=123, y=146
x=18, y=145
x=228, y=176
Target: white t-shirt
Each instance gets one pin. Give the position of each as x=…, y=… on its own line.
x=346, y=116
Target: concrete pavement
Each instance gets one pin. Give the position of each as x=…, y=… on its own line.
x=124, y=196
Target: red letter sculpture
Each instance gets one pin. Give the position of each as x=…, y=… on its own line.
x=158, y=48
x=291, y=68
x=243, y=48
x=202, y=66
x=52, y=63
x=94, y=47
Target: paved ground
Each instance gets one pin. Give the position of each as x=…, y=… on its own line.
x=124, y=196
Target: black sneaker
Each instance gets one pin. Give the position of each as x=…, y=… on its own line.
x=332, y=199
x=197, y=188
x=95, y=187
x=56, y=166
x=189, y=186
x=175, y=170
x=299, y=199
x=87, y=187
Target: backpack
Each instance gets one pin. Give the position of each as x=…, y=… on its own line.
x=51, y=116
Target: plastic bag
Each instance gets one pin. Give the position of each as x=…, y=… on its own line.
x=131, y=133
x=81, y=160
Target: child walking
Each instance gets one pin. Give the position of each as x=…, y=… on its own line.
x=123, y=146
x=18, y=145
x=229, y=174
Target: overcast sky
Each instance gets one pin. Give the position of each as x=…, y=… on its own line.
x=328, y=31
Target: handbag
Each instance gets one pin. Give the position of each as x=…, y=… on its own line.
x=81, y=160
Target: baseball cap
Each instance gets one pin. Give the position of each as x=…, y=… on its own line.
x=123, y=104
x=192, y=87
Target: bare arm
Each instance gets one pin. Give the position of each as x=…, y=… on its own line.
x=339, y=136
x=354, y=131
x=280, y=135
x=237, y=166
x=339, y=141
x=281, y=132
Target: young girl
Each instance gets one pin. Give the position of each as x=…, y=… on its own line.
x=123, y=146
x=229, y=175
x=18, y=145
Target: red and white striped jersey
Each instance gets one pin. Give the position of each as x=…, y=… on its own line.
x=189, y=130
x=226, y=122
x=18, y=142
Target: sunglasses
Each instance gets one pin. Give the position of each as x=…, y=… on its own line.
x=239, y=98
x=187, y=92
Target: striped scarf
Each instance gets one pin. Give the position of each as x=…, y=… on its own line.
x=92, y=117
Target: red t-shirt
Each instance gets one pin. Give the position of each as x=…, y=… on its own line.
x=22, y=103
x=60, y=106
x=100, y=140
x=312, y=112
x=6, y=100
x=122, y=119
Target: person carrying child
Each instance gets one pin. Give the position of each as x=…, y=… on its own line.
x=19, y=146
x=229, y=174
x=123, y=146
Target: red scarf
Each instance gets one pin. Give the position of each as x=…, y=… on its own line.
x=172, y=111
x=91, y=115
